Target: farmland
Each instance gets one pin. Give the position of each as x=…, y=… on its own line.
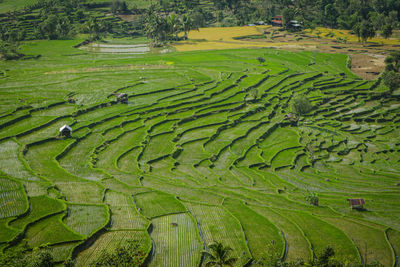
x=201, y=152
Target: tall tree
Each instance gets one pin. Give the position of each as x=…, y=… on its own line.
x=393, y=62
x=287, y=16
x=387, y=31
x=49, y=27
x=367, y=30
x=174, y=25
x=330, y=15
x=391, y=79
x=301, y=105
x=93, y=27
x=187, y=25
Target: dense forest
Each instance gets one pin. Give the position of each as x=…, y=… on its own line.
x=60, y=19
x=161, y=21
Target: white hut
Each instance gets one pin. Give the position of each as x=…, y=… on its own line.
x=65, y=131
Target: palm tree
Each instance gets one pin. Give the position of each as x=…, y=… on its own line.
x=187, y=25
x=174, y=25
x=218, y=255
x=93, y=27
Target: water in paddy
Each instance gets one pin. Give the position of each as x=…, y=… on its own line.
x=123, y=48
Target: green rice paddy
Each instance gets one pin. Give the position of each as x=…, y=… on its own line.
x=194, y=157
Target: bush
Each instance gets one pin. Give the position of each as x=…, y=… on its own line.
x=391, y=79
x=124, y=255
x=387, y=31
x=312, y=198
x=261, y=60
x=42, y=259
x=9, y=50
x=348, y=62
x=18, y=258
x=301, y=105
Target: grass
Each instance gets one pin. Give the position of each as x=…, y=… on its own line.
x=86, y=219
x=155, y=204
x=190, y=147
x=124, y=212
x=41, y=206
x=108, y=242
x=367, y=239
x=338, y=33
x=217, y=224
x=259, y=230
x=7, y=233
x=10, y=163
x=220, y=38
x=77, y=161
x=327, y=234
x=298, y=246
x=50, y=231
x=177, y=241
x=62, y=252
x=11, y=5
x=13, y=200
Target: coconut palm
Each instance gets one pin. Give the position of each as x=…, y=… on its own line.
x=174, y=25
x=187, y=25
x=218, y=255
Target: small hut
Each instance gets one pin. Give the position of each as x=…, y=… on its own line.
x=122, y=98
x=356, y=203
x=277, y=21
x=292, y=118
x=66, y=131
x=295, y=24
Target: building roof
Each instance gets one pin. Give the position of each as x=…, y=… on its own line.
x=65, y=127
x=121, y=95
x=278, y=17
x=356, y=201
x=290, y=116
x=277, y=21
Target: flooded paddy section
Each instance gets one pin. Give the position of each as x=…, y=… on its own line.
x=123, y=48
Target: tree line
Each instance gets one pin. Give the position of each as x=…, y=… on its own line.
x=162, y=27
x=365, y=18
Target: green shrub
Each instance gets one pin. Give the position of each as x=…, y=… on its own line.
x=312, y=198
x=9, y=50
x=20, y=258
x=124, y=255
x=261, y=60
x=301, y=105
x=391, y=79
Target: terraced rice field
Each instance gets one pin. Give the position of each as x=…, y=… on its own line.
x=196, y=155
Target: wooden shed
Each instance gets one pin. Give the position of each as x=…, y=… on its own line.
x=277, y=21
x=292, y=118
x=65, y=131
x=122, y=98
x=356, y=203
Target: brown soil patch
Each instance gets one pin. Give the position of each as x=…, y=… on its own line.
x=367, y=61
x=128, y=18
x=367, y=66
